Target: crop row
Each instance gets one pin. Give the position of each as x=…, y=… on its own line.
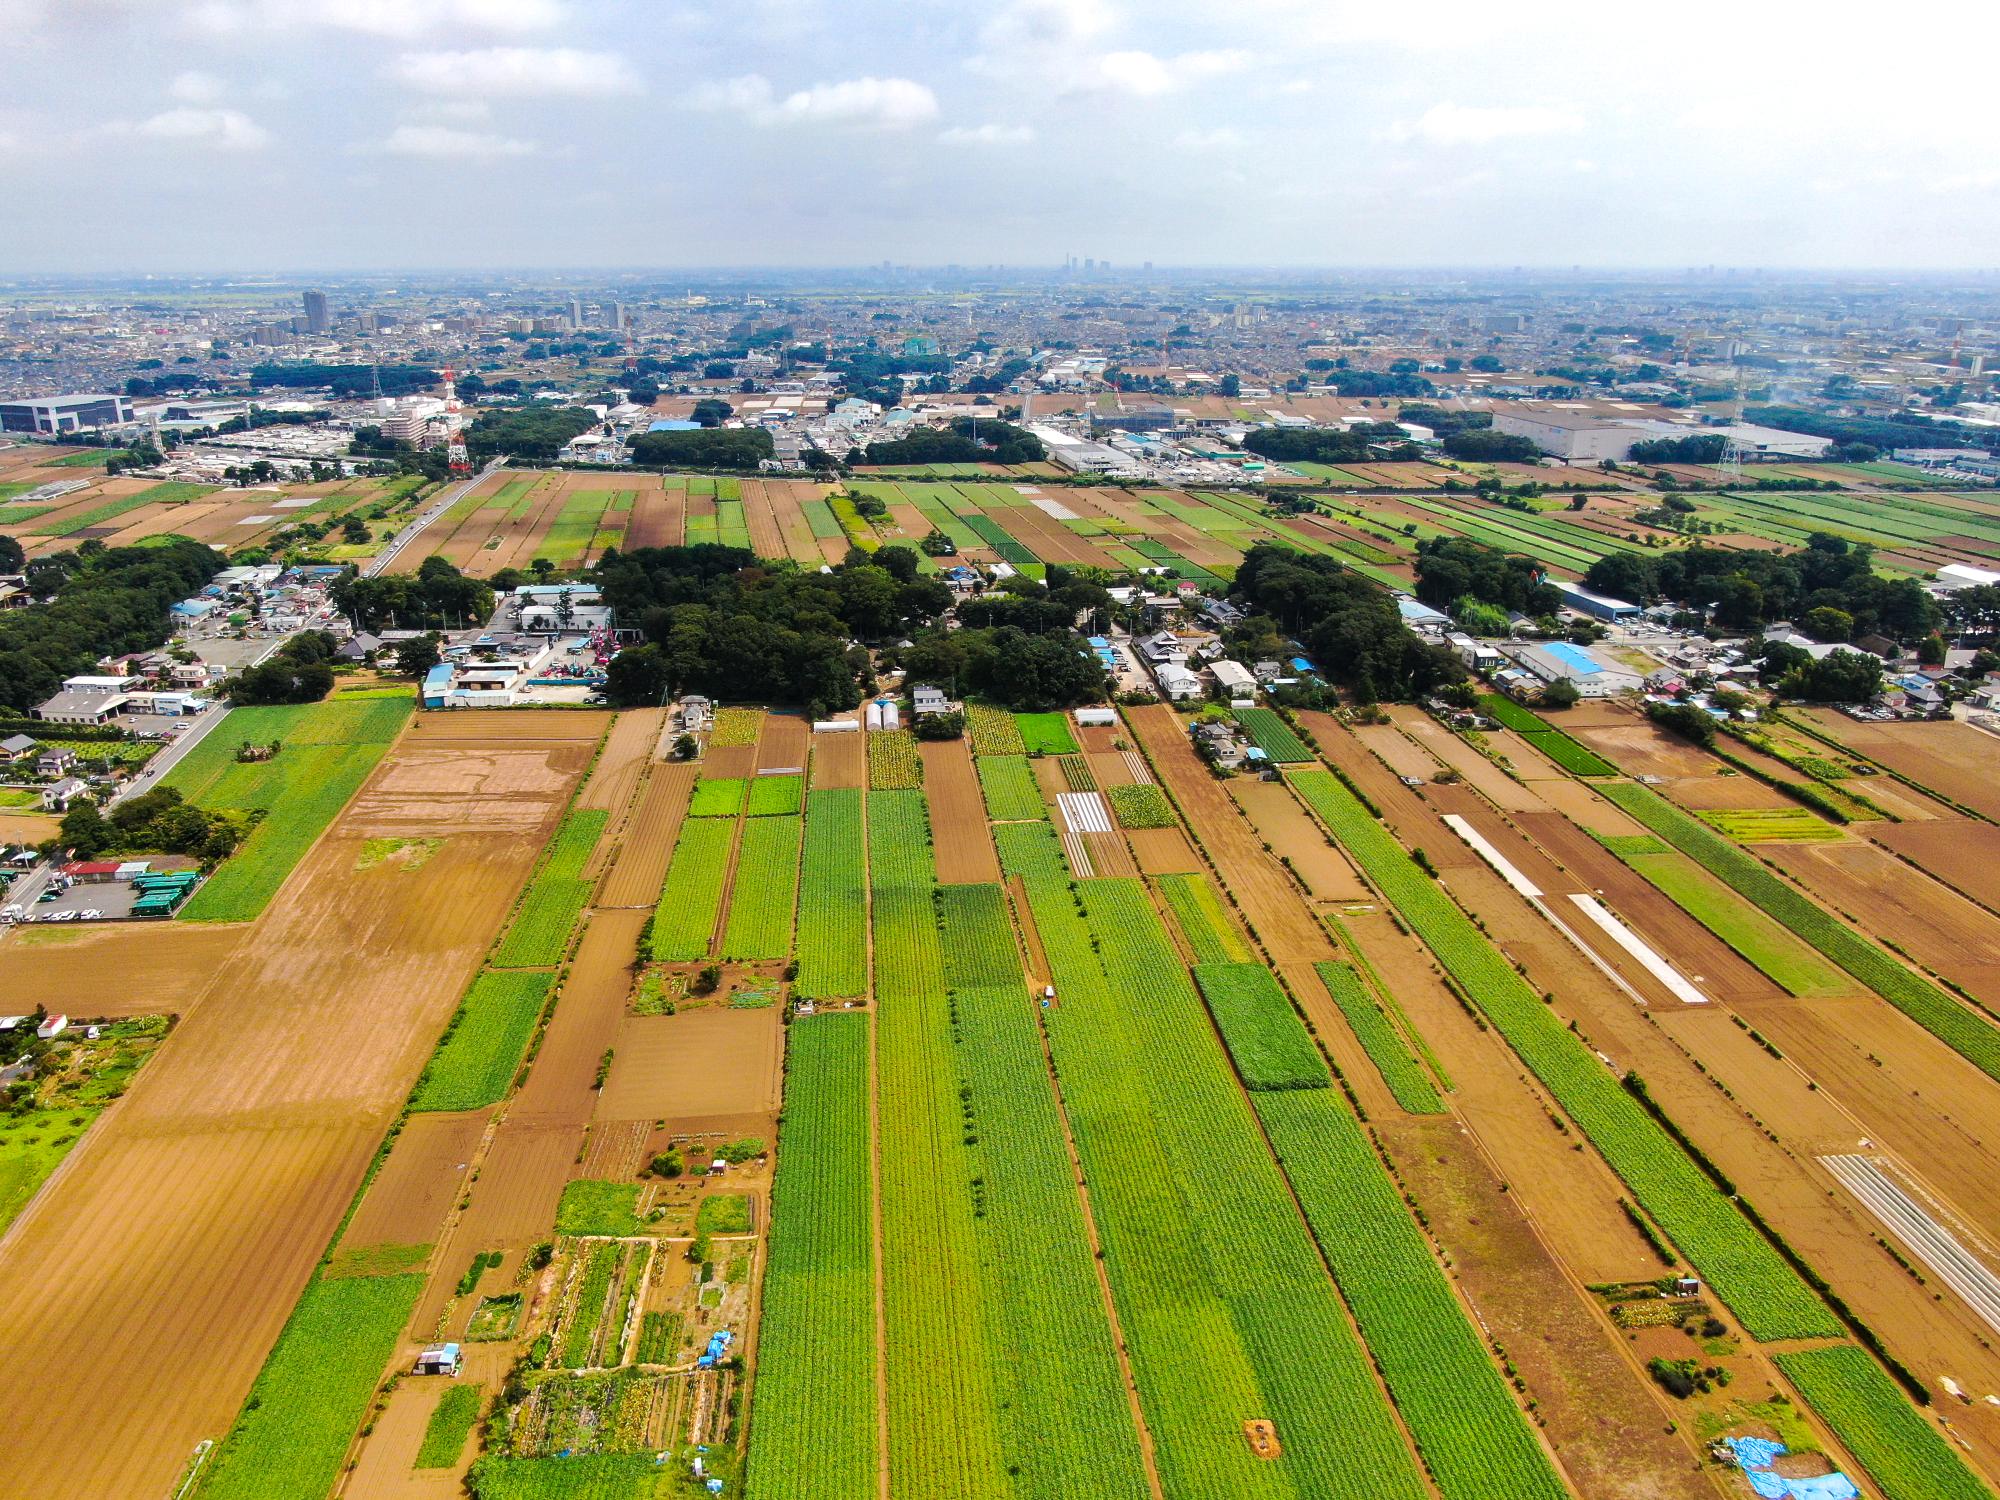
x=716, y=797
x=1901, y=1451
x=1767, y=1295
x=775, y=796
x=812, y=1427
x=994, y=731
x=477, y=1059
x=767, y=881
x=1465, y=1422
x=1066, y=1423
x=1046, y=734
x=1226, y=1309
x=1568, y=754
x=1010, y=788
x=736, y=726
x=1379, y=1039
x=833, y=937
x=556, y=896
x=1793, y=966
x=1923, y=1002
x=1271, y=734
x=893, y=762
x=1272, y=1051
x=684, y=924
x=939, y=1347
x=1142, y=805
x=1198, y=910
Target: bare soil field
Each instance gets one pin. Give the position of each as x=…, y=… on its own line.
x=1480, y=773
x=1163, y=851
x=959, y=840
x=513, y=1204
x=190, y=1219
x=385, y=1468
x=1956, y=760
x=767, y=536
x=1886, y=898
x=27, y=828
x=659, y=517
x=412, y=1194
x=626, y=753
x=1725, y=794
x=158, y=966
x=641, y=866
x=1266, y=892
x=562, y=1083
x=696, y=1068
x=1395, y=751
x=783, y=741
x=840, y=760
x=1598, y=1412
x=1963, y=854
x=1296, y=839
x=728, y=762
x=1639, y=749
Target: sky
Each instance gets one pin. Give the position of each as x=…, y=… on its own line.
x=281, y=135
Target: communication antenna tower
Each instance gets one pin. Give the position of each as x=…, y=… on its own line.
x=457, y=458
x=1730, y=465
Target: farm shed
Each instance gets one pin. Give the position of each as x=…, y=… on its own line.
x=438, y=1359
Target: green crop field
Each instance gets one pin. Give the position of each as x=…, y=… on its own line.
x=893, y=762
x=1568, y=754
x=1012, y=793
x=328, y=751
x=314, y=1390
x=1772, y=825
x=813, y=1407
x=1902, y=1452
x=721, y=797
x=994, y=731
x=450, y=1425
x=692, y=898
x=1272, y=1051
x=1972, y=1037
x=1795, y=968
x=1380, y=1040
x=775, y=796
x=591, y=1206
x=1141, y=806
x=477, y=1059
x=555, y=898
x=767, y=878
x=1271, y=734
x=832, y=937
x=1198, y=911
x=1046, y=734
x=1770, y=1298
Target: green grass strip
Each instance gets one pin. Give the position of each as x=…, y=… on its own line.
x=450, y=1425
x=1272, y=1050
x=1379, y=1039
x=555, y=898
x=776, y=796
x=1789, y=963
x=1271, y=734
x=767, y=881
x=1046, y=734
x=1198, y=911
x=718, y=797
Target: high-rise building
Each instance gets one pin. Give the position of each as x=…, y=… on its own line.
x=317, y=320
x=621, y=316
x=576, y=312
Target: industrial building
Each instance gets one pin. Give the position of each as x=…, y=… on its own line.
x=1577, y=432
x=51, y=416
x=1599, y=606
x=1592, y=675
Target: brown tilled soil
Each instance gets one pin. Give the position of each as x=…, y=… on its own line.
x=1725, y=794
x=158, y=968
x=1956, y=760
x=561, y=1084
x=1603, y=1418
x=960, y=842
x=840, y=760
x=411, y=1196
x=1293, y=836
x=386, y=1468
x=767, y=537
x=1963, y=854
x=782, y=741
x=1480, y=773
x=1163, y=851
x=1268, y=895
x=189, y=1220
x=696, y=1066
x=722, y=762
x=658, y=518
x=627, y=751
x=640, y=869
x=1639, y=749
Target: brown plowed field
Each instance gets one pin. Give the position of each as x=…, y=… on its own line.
x=561, y=1084
x=696, y=1067
x=27, y=828
x=785, y=497
x=1963, y=854
x=1936, y=926
x=627, y=750
x=767, y=537
x=1048, y=539
x=1639, y=749
x=386, y=1468
x=1954, y=759
x=189, y=1221
x=513, y=1205
x=1480, y=773
x=411, y=1197
x=658, y=518
x=641, y=866
x=519, y=538
x=725, y=762
x=783, y=741
x=840, y=760
x=1268, y=897
x=959, y=840
x=1110, y=768
x=1293, y=836
x=154, y=968
x=1163, y=851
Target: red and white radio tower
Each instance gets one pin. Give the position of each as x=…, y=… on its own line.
x=457, y=458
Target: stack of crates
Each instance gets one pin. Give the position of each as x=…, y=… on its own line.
x=160, y=894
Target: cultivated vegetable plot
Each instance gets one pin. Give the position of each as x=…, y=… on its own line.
x=720, y=797
x=449, y=1426
x=813, y=1412
x=1901, y=1451
x=1976, y=1040
x=476, y=1061
x=1272, y=1050
x=1064, y=1418
x=1765, y=1293
x=767, y=878
x=556, y=897
x=940, y=1350
x=1046, y=734
x=1010, y=788
x=1198, y=910
x=736, y=726
x=893, y=762
x=775, y=796
x=833, y=941
x=1271, y=734
x=1142, y=805
x=1379, y=1039
x=1545, y=737
x=313, y=1391
x=994, y=731
x=685, y=921
x=1226, y=1309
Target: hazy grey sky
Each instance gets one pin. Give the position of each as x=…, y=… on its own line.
x=303, y=134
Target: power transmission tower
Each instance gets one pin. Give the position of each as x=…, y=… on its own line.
x=1730, y=464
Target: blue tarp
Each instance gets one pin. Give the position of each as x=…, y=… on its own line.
x=1756, y=1455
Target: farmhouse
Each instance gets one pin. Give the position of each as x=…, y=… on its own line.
x=1176, y=682
x=1233, y=678
x=16, y=747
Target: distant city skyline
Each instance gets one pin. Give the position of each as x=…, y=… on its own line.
x=219, y=135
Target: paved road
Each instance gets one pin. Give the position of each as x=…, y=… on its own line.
x=177, y=750
x=447, y=497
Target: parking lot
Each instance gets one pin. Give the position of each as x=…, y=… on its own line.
x=30, y=902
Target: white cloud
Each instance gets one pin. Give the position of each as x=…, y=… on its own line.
x=217, y=129
x=1221, y=139
x=864, y=103
x=1463, y=125
x=517, y=71
x=195, y=88
x=397, y=20
x=443, y=143
x=1056, y=44
x=450, y=112
x=987, y=135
